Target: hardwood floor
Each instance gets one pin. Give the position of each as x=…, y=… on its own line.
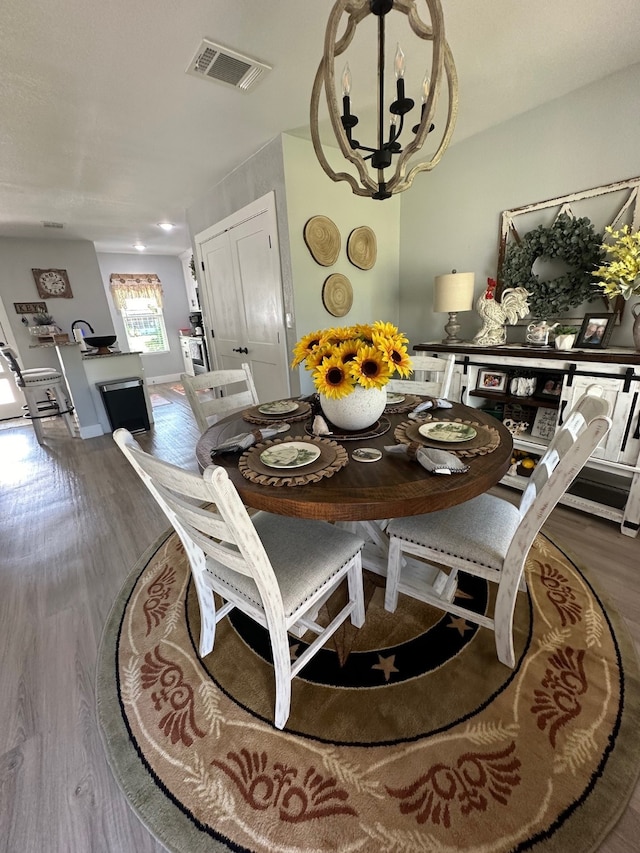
x=74, y=519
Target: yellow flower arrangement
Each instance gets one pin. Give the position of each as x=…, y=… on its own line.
x=621, y=275
x=346, y=356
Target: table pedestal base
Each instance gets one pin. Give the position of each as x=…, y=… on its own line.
x=418, y=579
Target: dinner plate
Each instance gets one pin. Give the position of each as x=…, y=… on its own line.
x=448, y=431
x=395, y=398
x=290, y=454
x=278, y=407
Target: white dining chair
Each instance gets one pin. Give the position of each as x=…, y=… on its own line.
x=277, y=570
x=432, y=377
x=45, y=393
x=209, y=395
x=488, y=536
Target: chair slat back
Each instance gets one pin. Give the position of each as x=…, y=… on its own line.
x=205, y=405
x=584, y=428
x=223, y=531
x=10, y=356
x=432, y=377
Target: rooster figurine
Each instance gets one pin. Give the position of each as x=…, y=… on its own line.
x=495, y=315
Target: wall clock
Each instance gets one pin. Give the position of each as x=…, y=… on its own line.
x=52, y=283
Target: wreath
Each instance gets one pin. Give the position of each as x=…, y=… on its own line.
x=573, y=240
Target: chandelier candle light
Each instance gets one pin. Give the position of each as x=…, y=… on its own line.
x=452, y=293
x=387, y=147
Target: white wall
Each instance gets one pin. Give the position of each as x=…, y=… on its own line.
x=450, y=218
x=157, y=366
x=310, y=193
x=78, y=258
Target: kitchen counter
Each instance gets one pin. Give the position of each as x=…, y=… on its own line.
x=83, y=372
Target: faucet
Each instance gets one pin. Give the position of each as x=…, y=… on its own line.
x=75, y=323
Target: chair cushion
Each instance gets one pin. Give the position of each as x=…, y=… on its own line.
x=304, y=554
x=479, y=530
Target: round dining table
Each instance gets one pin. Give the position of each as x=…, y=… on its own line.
x=393, y=486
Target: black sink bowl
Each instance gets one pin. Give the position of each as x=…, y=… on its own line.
x=101, y=341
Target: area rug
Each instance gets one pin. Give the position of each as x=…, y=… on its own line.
x=178, y=389
x=407, y=737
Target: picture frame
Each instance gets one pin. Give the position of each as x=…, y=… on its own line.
x=492, y=380
x=544, y=424
x=549, y=386
x=595, y=331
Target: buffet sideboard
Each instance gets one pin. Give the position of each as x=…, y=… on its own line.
x=609, y=484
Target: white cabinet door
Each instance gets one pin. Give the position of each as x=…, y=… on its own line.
x=186, y=356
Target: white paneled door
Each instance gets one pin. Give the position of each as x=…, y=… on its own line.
x=242, y=297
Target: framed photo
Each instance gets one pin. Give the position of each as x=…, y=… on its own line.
x=492, y=380
x=544, y=425
x=549, y=386
x=596, y=331
x=52, y=283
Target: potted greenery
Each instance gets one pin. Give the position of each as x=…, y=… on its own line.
x=565, y=336
x=44, y=324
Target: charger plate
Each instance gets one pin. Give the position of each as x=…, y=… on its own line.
x=379, y=428
x=487, y=438
x=255, y=416
x=332, y=458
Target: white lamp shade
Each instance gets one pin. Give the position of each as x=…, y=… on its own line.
x=453, y=292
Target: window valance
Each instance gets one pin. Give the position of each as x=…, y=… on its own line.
x=125, y=286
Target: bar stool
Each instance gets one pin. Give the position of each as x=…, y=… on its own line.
x=45, y=393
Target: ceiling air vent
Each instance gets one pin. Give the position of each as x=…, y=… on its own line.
x=214, y=62
x=53, y=224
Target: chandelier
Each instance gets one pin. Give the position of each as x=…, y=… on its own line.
x=373, y=161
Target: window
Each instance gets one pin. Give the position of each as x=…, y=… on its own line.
x=138, y=297
x=144, y=325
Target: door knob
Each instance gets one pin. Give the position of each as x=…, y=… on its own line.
x=241, y=349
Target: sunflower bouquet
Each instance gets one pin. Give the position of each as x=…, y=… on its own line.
x=621, y=274
x=344, y=357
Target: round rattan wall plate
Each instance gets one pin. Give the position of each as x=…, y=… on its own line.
x=337, y=295
x=323, y=240
x=362, y=247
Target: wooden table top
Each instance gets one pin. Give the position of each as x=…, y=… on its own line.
x=392, y=487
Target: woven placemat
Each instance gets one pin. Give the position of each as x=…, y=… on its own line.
x=256, y=417
x=410, y=402
x=486, y=440
x=332, y=458
x=379, y=428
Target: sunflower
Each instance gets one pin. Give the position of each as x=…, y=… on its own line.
x=317, y=354
x=388, y=330
x=348, y=350
x=369, y=368
x=362, y=331
x=332, y=378
x=305, y=346
x=395, y=354
x=340, y=333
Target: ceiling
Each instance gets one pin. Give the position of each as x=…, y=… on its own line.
x=102, y=130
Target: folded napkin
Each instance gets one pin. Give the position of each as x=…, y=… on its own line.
x=320, y=426
x=245, y=440
x=431, y=403
x=433, y=460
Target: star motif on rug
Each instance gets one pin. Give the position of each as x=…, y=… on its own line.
x=387, y=665
x=460, y=624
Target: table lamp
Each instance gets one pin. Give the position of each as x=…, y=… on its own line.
x=452, y=293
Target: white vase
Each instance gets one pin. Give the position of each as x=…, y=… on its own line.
x=358, y=410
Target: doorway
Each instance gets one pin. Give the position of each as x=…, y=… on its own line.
x=11, y=398
x=241, y=296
